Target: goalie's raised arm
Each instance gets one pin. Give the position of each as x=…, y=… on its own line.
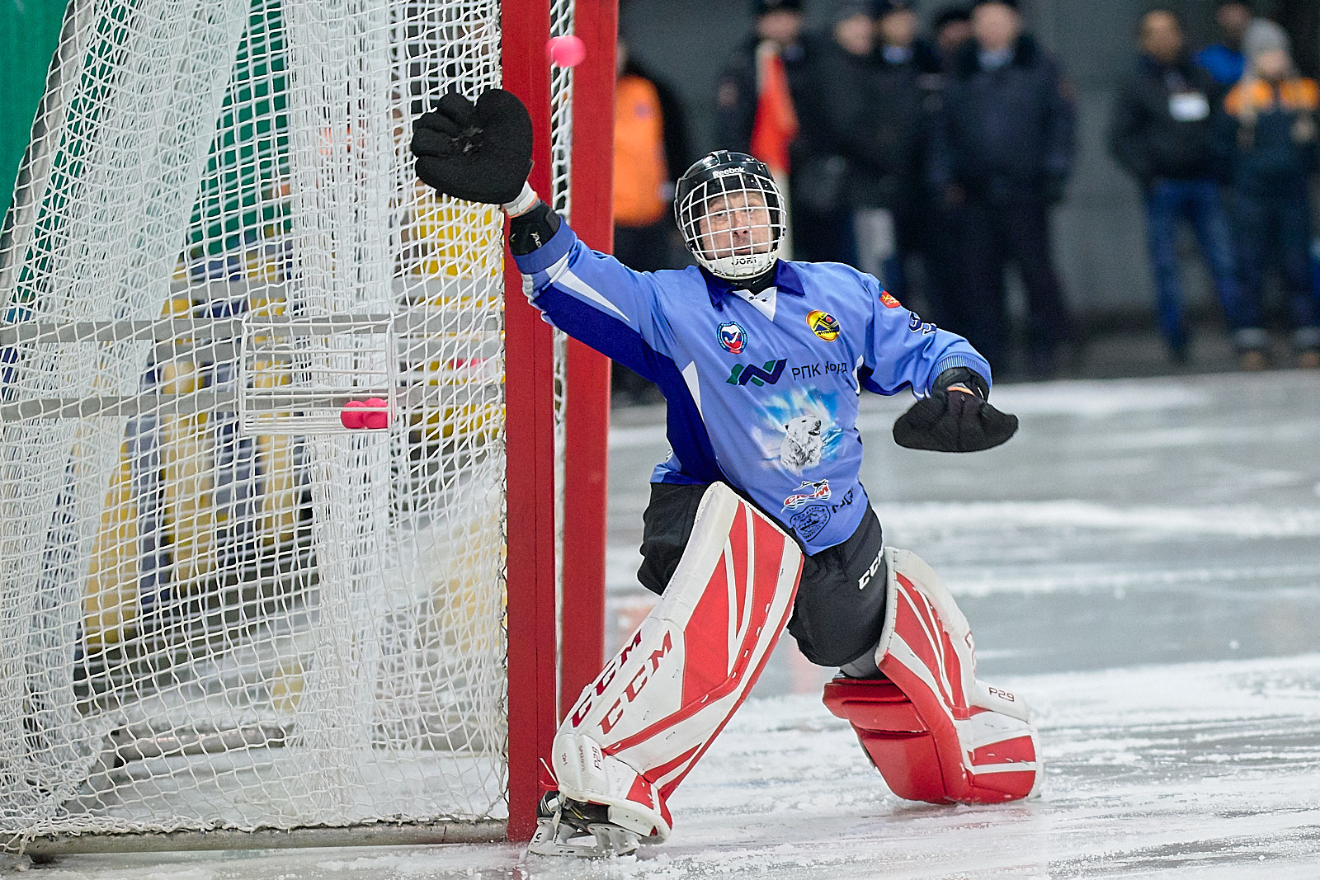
x=482, y=152
x=478, y=152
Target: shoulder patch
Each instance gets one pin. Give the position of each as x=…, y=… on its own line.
x=824, y=325
x=888, y=299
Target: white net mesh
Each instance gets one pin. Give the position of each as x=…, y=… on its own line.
x=204, y=626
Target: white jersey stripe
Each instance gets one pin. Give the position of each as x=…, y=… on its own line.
x=570, y=281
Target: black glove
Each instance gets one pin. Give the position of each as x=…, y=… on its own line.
x=480, y=153
x=954, y=421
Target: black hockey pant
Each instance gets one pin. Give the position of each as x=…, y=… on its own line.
x=841, y=598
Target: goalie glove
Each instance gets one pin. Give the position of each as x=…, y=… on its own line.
x=955, y=418
x=476, y=152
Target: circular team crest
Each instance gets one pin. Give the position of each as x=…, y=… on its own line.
x=824, y=325
x=733, y=338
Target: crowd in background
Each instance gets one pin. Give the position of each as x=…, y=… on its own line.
x=1225, y=140
x=931, y=158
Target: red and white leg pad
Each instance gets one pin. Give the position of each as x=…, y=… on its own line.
x=641, y=726
x=933, y=730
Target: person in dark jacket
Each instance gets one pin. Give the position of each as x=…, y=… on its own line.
x=877, y=122
x=944, y=223
x=1270, y=129
x=906, y=84
x=1163, y=133
x=1004, y=150
x=952, y=27
x=848, y=59
x=898, y=40
x=746, y=121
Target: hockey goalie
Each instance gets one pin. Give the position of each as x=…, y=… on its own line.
x=758, y=521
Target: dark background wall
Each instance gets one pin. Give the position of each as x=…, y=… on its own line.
x=1100, y=239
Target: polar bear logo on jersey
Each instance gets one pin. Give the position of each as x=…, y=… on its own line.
x=802, y=443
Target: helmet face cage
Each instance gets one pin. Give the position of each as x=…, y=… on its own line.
x=731, y=217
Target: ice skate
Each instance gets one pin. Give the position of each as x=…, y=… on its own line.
x=566, y=827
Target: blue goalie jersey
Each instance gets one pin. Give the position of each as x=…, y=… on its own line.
x=762, y=390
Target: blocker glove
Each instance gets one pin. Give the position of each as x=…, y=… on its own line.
x=478, y=153
x=954, y=421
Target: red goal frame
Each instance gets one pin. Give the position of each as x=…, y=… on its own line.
x=539, y=679
x=547, y=660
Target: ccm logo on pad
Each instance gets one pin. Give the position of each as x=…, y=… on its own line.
x=640, y=677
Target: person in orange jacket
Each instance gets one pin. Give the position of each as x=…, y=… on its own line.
x=650, y=149
x=1271, y=130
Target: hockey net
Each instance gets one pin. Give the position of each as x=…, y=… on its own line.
x=221, y=610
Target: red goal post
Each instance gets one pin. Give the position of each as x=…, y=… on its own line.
x=535, y=696
x=232, y=619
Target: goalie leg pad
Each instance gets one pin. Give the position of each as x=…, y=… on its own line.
x=641, y=726
x=933, y=730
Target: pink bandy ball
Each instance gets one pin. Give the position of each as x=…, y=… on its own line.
x=351, y=416
x=377, y=415
x=566, y=51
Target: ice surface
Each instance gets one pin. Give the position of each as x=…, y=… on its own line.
x=1142, y=562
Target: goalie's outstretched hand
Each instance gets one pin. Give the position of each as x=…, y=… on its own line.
x=477, y=152
x=955, y=418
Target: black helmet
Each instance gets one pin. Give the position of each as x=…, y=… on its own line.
x=747, y=245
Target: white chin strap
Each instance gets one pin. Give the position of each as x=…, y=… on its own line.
x=742, y=267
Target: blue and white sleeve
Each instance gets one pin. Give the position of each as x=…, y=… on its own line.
x=902, y=351
x=597, y=300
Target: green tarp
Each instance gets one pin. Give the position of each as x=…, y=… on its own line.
x=29, y=33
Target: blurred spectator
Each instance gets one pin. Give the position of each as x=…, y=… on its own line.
x=1163, y=132
x=768, y=104
x=1224, y=60
x=876, y=107
x=650, y=151
x=896, y=28
x=1271, y=130
x=953, y=30
x=1005, y=147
